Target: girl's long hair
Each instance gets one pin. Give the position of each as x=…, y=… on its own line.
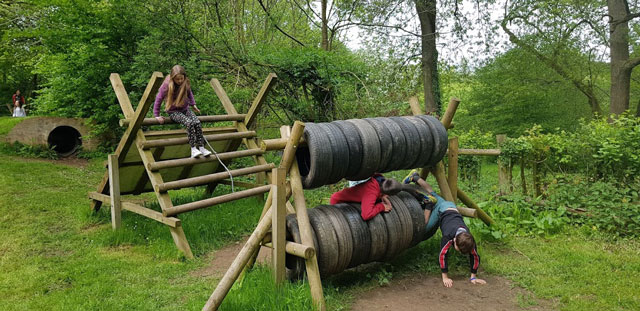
x=182, y=89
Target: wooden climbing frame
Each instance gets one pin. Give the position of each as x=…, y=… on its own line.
x=159, y=162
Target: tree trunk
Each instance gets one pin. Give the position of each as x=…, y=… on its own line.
x=325, y=36
x=619, y=46
x=426, y=10
x=523, y=180
x=638, y=110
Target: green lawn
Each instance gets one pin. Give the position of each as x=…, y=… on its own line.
x=57, y=255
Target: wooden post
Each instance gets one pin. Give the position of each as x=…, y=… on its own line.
x=503, y=176
x=278, y=230
x=259, y=100
x=415, y=106
x=114, y=191
x=451, y=111
x=238, y=264
x=523, y=180
x=441, y=178
x=536, y=178
x=453, y=167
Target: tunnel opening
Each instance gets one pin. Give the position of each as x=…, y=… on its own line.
x=65, y=140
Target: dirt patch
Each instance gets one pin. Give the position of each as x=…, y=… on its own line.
x=221, y=259
x=426, y=292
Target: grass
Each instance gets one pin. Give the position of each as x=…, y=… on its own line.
x=7, y=123
x=57, y=255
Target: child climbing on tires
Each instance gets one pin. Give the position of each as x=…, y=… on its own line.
x=455, y=234
x=372, y=194
x=176, y=89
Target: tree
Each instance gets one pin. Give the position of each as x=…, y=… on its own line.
x=621, y=63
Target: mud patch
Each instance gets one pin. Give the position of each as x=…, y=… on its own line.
x=221, y=259
x=426, y=292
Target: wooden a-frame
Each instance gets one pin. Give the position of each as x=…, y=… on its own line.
x=158, y=161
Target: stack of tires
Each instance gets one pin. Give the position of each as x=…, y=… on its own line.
x=343, y=240
x=356, y=149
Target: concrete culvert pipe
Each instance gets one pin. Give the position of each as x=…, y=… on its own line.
x=65, y=140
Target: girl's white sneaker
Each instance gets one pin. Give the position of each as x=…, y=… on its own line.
x=195, y=153
x=205, y=152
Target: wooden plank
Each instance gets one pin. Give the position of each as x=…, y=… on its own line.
x=259, y=100
x=223, y=287
x=142, y=181
x=114, y=190
x=451, y=111
x=241, y=184
x=203, y=119
x=222, y=95
x=479, y=152
x=214, y=201
x=441, y=178
x=415, y=106
x=293, y=248
x=181, y=241
x=452, y=176
x=138, y=209
x=278, y=228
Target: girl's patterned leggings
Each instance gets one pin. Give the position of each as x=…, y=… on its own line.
x=191, y=122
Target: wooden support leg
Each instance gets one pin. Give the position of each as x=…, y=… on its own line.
x=114, y=190
x=503, y=176
x=278, y=224
x=238, y=264
x=181, y=241
x=471, y=204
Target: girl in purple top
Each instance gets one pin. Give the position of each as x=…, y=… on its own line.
x=176, y=89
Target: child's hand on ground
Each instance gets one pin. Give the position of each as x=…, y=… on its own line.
x=447, y=281
x=160, y=120
x=478, y=281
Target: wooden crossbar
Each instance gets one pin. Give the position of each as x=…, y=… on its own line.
x=223, y=156
x=203, y=119
x=184, y=140
x=206, y=179
x=205, y=130
x=215, y=201
x=138, y=209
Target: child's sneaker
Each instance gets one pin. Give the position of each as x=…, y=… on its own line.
x=205, y=152
x=195, y=153
x=412, y=177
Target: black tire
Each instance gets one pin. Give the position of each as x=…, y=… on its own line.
x=417, y=217
x=359, y=232
x=315, y=160
x=327, y=241
x=370, y=148
x=352, y=136
x=406, y=224
x=343, y=233
x=340, y=151
x=386, y=144
x=440, y=138
x=294, y=264
x=426, y=142
x=412, y=140
x=378, y=234
x=394, y=233
x=399, y=145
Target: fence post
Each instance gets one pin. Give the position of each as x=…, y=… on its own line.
x=503, y=174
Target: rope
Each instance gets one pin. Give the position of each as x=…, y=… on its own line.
x=225, y=167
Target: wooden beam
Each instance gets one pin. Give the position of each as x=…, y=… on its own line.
x=278, y=143
x=185, y=140
x=478, y=152
x=415, y=106
x=203, y=119
x=144, y=179
x=503, y=177
x=289, y=153
x=214, y=201
x=259, y=100
x=193, y=161
x=464, y=198
x=205, y=179
x=183, y=132
x=114, y=190
x=293, y=248
x=223, y=287
x=278, y=226
x=121, y=94
x=138, y=209
x=451, y=111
